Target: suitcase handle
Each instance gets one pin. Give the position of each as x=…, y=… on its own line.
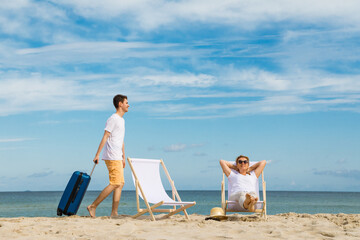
x=93, y=169
x=80, y=182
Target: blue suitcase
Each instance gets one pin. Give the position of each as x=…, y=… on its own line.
x=74, y=193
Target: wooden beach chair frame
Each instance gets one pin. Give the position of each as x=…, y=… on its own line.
x=152, y=209
x=225, y=203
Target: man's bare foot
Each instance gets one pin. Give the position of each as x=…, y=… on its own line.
x=91, y=210
x=114, y=215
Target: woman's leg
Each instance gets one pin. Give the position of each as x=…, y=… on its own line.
x=240, y=198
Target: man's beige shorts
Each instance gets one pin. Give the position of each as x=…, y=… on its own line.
x=116, y=172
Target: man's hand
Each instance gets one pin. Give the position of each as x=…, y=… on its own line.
x=123, y=163
x=96, y=159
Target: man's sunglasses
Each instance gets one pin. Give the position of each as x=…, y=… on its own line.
x=240, y=162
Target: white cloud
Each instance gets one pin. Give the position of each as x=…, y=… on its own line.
x=38, y=93
x=179, y=147
x=150, y=15
x=173, y=79
x=161, y=94
x=93, y=47
x=179, y=80
x=255, y=79
x=84, y=52
x=282, y=104
x=300, y=81
x=41, y=174
x=26, y=19
x=175, y=147
x=141, y=59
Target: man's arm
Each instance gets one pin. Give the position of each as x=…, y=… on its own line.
x=101, y=145
x=258, y=167
x=226, y=167
x=123, y=150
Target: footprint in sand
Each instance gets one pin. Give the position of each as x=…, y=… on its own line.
x=325, y=234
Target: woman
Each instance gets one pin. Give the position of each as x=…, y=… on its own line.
x=242, y=182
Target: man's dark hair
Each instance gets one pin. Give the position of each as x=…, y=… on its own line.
x=118, y=98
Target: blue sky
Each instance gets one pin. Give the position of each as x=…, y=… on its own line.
x=205, y=80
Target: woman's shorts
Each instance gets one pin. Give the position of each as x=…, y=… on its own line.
x=116, y=172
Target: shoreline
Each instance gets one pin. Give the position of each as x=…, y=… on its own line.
x=279, y=226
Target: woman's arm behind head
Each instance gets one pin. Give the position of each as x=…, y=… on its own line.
x=226, y=167
x=259, y=167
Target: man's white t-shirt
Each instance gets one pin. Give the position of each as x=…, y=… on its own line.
x=113, y=147
x=241, y=183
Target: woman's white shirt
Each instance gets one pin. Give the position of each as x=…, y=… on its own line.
x=241, y=183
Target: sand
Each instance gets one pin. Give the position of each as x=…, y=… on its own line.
x=281, y=226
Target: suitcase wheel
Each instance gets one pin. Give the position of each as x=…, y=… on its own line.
x=59, y=212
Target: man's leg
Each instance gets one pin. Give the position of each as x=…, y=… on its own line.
x=117, y=179
x=116, y=200
x=92, y=208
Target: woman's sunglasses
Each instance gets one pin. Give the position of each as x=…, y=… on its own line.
x=240, y=162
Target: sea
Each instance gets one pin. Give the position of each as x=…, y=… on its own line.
x=44, y=204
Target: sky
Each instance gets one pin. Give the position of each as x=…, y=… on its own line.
x=205, y=79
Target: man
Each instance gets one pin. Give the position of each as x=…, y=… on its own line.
x=242, y=181
x=113, y=155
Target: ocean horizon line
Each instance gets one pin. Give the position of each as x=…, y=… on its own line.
x=193, y=190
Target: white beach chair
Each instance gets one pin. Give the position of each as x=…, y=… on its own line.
x=232, y=206
x=148, y=185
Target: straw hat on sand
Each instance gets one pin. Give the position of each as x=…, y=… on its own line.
x=217, y=214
